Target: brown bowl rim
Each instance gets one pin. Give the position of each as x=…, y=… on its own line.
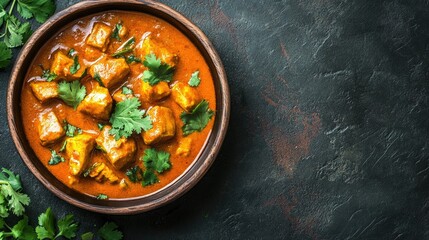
x=181, y=184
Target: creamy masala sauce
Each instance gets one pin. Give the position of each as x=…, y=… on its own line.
x=93, y=43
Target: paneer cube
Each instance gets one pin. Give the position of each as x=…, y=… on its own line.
x=163, y=125
x=110, y=71
x=44, y=91
x=97, y=104
x=61, y=65
x=186, y=96
x=120, y=152
x=148, y=46
x=50, y=129
x=100, y=172
x=99, y=36
x=184, y=148
x=153, y=93
x=78, y=152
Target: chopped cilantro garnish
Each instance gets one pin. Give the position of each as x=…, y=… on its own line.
x=131, y=58
x=116, y=31
x=63, y=147
x=100, y=126
x=128, y=118
x=127, y=91
x=76, y=66
x=149, y=178
x=195, y=79
x=55, y=158
x=156, y=160
x=71, y=130
x=71, y=52
x=98, y=79
x=102, y=196
x=125, y=48
x=48, y=75
x=134, y=174
x=158, y=71
x=71, y=93
x=196, y=120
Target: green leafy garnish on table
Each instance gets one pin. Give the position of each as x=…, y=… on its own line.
x=196, y=120
x=128, y=118
x=109, y=231
x=157, y=71
x=15, y=32
x=195, y=80
x=71, y=93
x=11, y=196
x=55, y=158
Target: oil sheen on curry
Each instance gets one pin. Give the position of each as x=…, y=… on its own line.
x=118, y=104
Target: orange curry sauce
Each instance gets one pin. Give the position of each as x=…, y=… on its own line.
x=74, y=36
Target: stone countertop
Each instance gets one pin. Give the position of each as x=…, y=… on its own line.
x=328, y=132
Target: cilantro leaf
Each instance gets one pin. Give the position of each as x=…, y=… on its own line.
x=11, y=178
x=76, y=66
x=22, y=230
x=5, y=55
x=11, y=198
x=128, y=118
x=63, y=147
x=156, y=160
x=149, y=178
x=102, y=196
x=125, y=48
x=41, y=10
x=48, y=75
x=195, y=79
x=71, y=52
x=16, y=32
x=67, y=227
x=71, y=93
x=158, y=71
x=127, y=91
x=131, y=58
x=97, y=78
x=134, y=173
x=198, y=119
x=87, y=236
x=55, y=158
x=100, y=126
x=109, y=231
x=46, y=228
x=71, y=130
x=116, y=31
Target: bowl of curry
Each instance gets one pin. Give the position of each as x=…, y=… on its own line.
x=118, y=107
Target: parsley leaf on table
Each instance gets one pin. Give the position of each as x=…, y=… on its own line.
x=158, y=71
x=156, y=160
x=16, y=32
x=41, y=10
x=71, y=93
x=109, y=231
x=67, y=227
x=10, y=194
x=55, y=158
x=22, y=230
x=195, y=79
x=46, y=228
x=196, y=120
x=128, y=118
x=5, y=55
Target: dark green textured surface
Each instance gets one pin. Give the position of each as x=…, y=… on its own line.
x=328, y=132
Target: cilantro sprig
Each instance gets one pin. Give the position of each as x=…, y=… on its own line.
x=157, y=71
x=15, y=32
x=11, y=196
x=71, y=93
x=195, y=80
x=196, y=120
x=128, y=118
x=55, y=158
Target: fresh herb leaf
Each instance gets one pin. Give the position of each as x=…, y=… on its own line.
x=67, y=227
x=158, y=71
x=109, y=231
x=131, y=58
x=128, y=118
x=87, y=236
x=46, y=228
x=102, y=196
x=41, y=10
x=125, y=48
x=55, y=158
x=127, y=91
x=16, y=32
x=71, y=93
x=149, y=178
x=71, y=52
x=195, y=79
x=88, y=171
x=156, y=160
x=100, y=126
x=198, y=119
x=22, y=230
x=5, y=55
x=134, y=174
x=116, y=31
x=76, y=66
x=71, y=130
x=11, y=198
x=63, y=147
x=48, y=75
x=98, y=79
